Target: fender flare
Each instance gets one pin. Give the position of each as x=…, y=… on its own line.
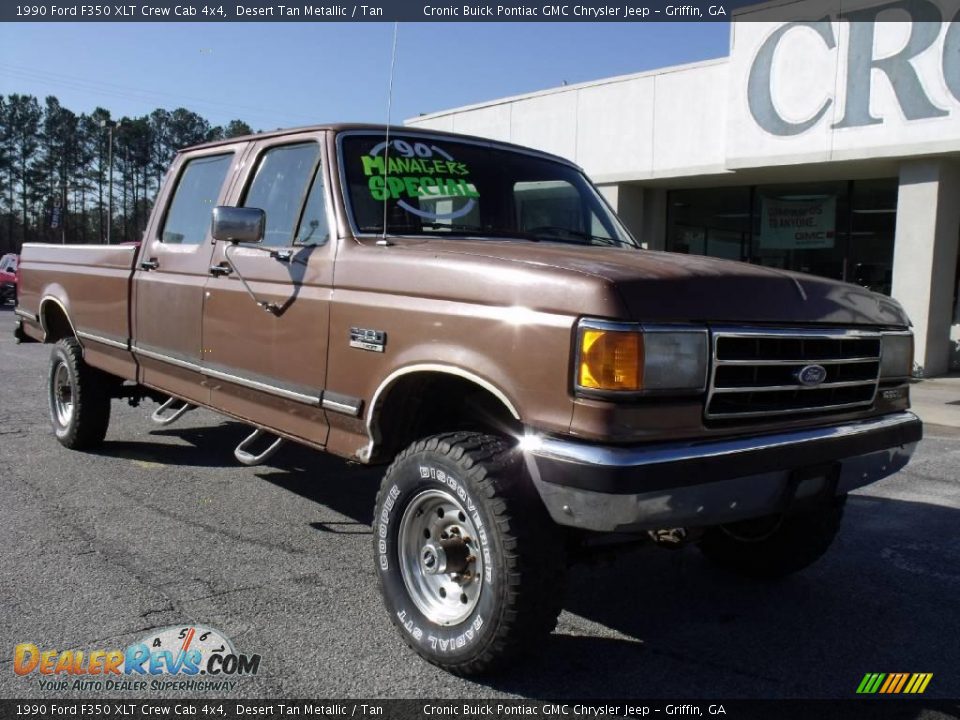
x=41, y=312
x=366, y=452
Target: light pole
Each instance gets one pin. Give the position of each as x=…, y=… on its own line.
x=63, y=216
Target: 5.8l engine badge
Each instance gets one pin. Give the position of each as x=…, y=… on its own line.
x=366, y=339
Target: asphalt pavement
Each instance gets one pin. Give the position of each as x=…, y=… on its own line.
x=162, y=527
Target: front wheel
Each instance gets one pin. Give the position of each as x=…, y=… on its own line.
x=774, y=547
x=78, y=397
x=469, y=564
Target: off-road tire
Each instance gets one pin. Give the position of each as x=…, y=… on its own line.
x=520, y=597
x=785, y=546
x=87, y=423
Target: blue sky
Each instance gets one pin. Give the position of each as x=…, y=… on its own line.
x=285, y=74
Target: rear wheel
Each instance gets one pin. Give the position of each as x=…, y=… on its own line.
x=776, y=546
x=78, y=396
x=469, y=564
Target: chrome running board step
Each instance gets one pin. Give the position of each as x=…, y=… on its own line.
x=175, y=411
x=243, y=454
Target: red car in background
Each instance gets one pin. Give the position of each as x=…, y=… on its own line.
x=8, y=278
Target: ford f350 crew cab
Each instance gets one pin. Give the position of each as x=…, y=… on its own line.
x=474, y=314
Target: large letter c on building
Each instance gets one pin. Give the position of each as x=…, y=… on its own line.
x=760, y=92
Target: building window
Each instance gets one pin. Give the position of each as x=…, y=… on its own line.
x=873, y=224
x=710, y=222
x=842, y=230
x=801, y=227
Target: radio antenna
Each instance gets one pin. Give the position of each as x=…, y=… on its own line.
x=386, y=146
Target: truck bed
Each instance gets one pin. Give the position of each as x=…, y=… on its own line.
x=91, y=286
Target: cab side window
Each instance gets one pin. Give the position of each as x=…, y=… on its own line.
x=188, y=217
x=280, y=188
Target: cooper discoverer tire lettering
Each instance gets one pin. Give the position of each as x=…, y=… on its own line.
x=468, y=563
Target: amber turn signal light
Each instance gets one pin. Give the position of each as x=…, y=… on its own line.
x=610, y=360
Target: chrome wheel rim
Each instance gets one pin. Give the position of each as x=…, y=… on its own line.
x=440, y=557
x=62, y=395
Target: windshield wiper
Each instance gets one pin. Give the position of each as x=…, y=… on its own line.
x=434, y=228
x=488, y=231
x=542, y=232
x=551, y=230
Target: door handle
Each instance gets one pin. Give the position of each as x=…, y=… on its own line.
x=151, y=264
x=220, y=270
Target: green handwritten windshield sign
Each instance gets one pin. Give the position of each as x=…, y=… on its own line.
x=414, y=170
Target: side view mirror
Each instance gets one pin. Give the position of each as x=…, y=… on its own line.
x=238, y=225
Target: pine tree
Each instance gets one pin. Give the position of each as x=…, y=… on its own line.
x=24, y=127
x=49, y=156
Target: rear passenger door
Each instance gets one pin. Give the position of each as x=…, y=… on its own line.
x=173, y=269
x=270, y=367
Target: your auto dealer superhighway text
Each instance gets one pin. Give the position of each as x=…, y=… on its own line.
x=605, y=11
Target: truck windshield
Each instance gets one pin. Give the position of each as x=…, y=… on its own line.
x=438, y=187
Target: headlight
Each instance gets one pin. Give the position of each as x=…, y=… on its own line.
x=629, y=357
x=896, y=355
x=610, y=359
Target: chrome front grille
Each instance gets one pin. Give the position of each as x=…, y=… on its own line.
x=756, y=372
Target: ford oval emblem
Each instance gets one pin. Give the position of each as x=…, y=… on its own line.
x=811, y=375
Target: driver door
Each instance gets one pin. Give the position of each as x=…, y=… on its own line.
x=269, y=366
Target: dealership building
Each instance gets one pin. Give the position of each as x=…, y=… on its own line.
x=830, y=146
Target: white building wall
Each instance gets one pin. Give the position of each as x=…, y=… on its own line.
x=925, y=256
x=613, y=142
x=637, y=127
x=492, y=122
x=689, y=136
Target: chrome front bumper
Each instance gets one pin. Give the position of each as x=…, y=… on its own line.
x=609, y=488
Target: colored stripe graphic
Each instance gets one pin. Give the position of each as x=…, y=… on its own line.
x=903, y=681
x=870, y=683
x=894, y=683
x=891, y=679
x=897, y=685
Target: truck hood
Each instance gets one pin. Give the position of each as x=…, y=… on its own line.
x=672, y=287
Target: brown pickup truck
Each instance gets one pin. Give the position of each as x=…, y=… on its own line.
x=474, y=314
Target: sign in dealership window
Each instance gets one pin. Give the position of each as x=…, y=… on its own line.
x=798, y=223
